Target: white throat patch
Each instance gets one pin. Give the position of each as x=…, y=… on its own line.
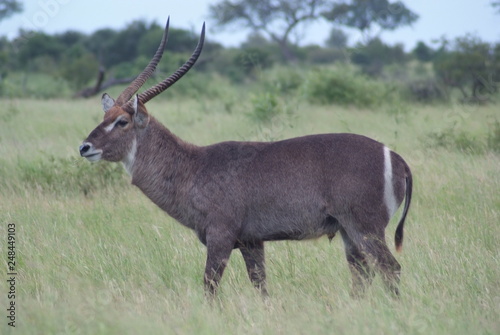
x=128, y=161
x=389, y=197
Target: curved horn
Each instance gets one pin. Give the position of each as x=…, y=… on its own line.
x=146, y=73
x=162, y=86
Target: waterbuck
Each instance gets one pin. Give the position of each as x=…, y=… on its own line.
x=238, y=195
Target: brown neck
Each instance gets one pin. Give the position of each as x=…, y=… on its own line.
x=163, y=168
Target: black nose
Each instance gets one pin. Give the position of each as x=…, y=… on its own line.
x=84, y=148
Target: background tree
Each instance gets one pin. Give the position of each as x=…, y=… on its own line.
x=471, y=65
x=78, y=67
x=423, y=52
x=337, y=39
x=275, y=18
x=373, y=56
x=9, y=7
x=365, y=15
x=124, y=45
x=256, y=40
x=179, y=40
x=37, y=50
x=496, y=4
x=5, y=57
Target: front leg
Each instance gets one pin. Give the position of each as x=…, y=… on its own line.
x=220, y=242
x=253, y=254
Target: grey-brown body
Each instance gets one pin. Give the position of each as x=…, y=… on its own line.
x=289, y=189
x=242, y=194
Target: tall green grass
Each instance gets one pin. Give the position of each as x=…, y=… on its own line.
x=107, y=261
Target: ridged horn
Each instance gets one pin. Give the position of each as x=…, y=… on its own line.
x=146, y=73
x=162, y=86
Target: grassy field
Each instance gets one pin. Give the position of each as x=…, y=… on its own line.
x=95, y=256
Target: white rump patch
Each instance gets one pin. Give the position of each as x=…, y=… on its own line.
x=389, y=197
x=128, y=161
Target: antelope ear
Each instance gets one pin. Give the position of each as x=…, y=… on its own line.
x=141, y=117
x=107, y=102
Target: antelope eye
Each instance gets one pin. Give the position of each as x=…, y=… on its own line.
x=122, y=123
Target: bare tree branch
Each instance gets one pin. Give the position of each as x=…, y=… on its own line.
x=101, y=86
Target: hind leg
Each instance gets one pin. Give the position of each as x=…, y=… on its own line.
x=361, y=273
x=373, y=252
x=379, y=254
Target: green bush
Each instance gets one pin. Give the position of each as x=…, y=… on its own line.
x=70, y=175
x=453, y=139
x=223, y=63
x=282, y=79
x=425, y=91
x=344, y=87
x=265, y=107
x=252, y=59
x=318, y=55
x=35, y=85
x=195, y=84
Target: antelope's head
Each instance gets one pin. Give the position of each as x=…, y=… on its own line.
x=116, y=136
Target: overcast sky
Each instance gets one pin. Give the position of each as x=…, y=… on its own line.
x=438, y=18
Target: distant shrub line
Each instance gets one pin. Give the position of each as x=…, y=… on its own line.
x=341, y=84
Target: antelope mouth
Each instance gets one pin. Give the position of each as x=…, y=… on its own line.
x=88, y=151
x=94, y=156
